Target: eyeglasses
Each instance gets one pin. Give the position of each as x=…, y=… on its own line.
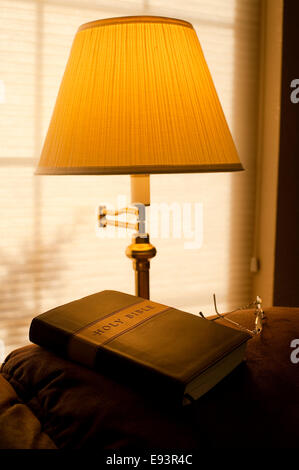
x=259, y=315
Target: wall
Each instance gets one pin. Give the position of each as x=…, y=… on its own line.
x=268, y=155
x=286, y=272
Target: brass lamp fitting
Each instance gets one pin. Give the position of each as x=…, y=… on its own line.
x=140, y=250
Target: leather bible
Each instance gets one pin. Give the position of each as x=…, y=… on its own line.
x=145, y=343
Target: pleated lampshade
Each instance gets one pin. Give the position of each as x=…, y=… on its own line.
x=137, y=98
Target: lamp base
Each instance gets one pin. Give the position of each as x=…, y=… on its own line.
x=140, y=251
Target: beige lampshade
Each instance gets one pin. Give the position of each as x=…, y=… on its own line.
x=136, y=98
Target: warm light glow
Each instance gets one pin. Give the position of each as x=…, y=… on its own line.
x=137, y=97
x=50, y=252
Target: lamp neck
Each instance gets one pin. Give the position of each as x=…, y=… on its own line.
x=140, y=189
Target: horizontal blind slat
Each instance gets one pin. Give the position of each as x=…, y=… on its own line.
x=49, y=251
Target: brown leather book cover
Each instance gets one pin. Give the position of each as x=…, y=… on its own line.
x=141, y=341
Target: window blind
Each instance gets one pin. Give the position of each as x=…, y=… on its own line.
x=50, y=252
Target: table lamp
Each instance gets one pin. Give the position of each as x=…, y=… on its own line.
x=137, y=98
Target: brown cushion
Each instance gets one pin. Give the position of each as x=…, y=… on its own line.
x=78, y=407
x=255, y=406
x=19, y=428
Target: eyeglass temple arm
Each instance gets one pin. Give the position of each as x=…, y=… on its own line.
x=221, y=315
x=215, y=305
x=258, y=318
x=257, y=303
